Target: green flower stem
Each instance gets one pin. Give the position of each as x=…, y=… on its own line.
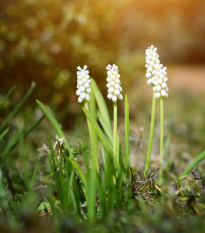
x=127, y=136
x=194, y=164
x=161, y=139
x=93, y=142
x=150, y=135
x=115, y=130
x=94, y=168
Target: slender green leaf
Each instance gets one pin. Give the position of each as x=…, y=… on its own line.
x=56, y=178
x=44, y=205
x=107, y=184
x=91, y=109
x=106, y=163
x=18, y=106
x=69, y=184
x=30, y=192
x=101, y=136
x=106, y=128
x=58, y=161
x=78, y=193
x=54, y=123
x=101, y=180
x=52, y=120
x=194, y=164
x=91, y=192
x=151, y=135
x=101, y=104
x=4, y=133
x=105, y=143
x=52, y=205
x=85, y=156
x=16, y=139
x=11, y=144
x=166, y=154
x=6, y=97
x=79, y=170
x=34, y=175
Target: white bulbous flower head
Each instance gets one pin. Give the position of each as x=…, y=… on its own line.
x=83, y=84
x=113, y=83
x=156, y=73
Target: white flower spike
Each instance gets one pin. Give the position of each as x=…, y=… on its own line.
x=113, y=83
x=83, y=84
x=156, y=73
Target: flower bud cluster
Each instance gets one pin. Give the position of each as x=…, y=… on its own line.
x=156, y=73
x=83, y=84
x=113, y=83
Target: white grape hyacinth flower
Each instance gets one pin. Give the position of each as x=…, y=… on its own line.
x=83, y=84
x=113, y=83
x=151, y=60
x=160, y=81
x=156, y=73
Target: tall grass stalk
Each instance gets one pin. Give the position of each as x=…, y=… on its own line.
x=151, y=135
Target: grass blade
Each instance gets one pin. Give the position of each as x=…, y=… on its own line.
x=56, y=177
x=34, y=175
x=69, y=182
x=53, y=122
x=106, y=128
x=91, y=192
x=6, y=97
x=85, y=156
x=4, y=133
x=101, y=104
x=102, y=193
x=79, y=170
x=15, y=140
x=166, y=154
x=105, y=144
x=194, y=164
x=18, y=106
x=151, y=134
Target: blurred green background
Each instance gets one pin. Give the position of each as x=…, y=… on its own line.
x=44, y=41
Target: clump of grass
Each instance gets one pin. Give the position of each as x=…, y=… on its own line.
x=99, y=190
